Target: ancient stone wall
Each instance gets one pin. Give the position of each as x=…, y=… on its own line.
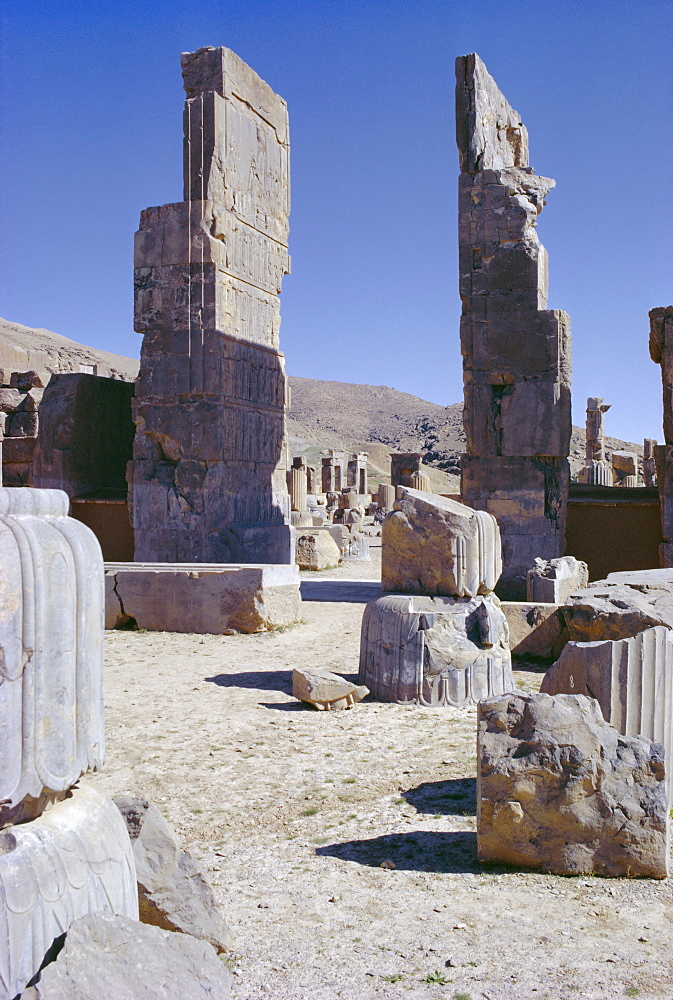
x=208, y=477
x=516, y=352
x=661, y=352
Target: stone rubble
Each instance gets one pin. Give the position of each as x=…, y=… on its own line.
x=560, y=790
x=316, y=550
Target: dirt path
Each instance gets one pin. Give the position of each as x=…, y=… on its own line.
x=292, y=812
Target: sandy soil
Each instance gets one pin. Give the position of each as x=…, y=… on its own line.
x=292, y=811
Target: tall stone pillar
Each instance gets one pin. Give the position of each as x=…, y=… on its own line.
x=334, y=471
x=649, y=467
x=208, y=476
x=596, y=471
x=516, y=352
x=661, y=352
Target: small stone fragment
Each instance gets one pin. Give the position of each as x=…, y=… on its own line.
x=552, y=581
x=560, y=790
x=325, y=690
x=388, y=863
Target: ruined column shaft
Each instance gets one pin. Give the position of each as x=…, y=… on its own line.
x=516, y=352
x=208, y=477
x=661, y=352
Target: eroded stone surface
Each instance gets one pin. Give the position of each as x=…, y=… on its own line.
x=552, y=581
x=632, y=680
x=618, y=607
x=173, y=892
x=325, y=690
x=74, y=859
x=435, y=650
x=122, y=959
x=559, y=789
x=516, y=352
x=208, y=477
x=432, y=545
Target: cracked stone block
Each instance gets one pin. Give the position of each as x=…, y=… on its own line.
x=201, y=598
x=553, y=581
x=325, y=690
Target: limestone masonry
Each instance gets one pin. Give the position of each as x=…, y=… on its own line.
x=516, y=352
x=208, y=476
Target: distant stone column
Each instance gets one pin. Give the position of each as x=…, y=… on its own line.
x=516, y=352
x=596, y=471
x=661, y=352
x=649, y=465
x=208, y=476
x=298, y=487
x=420, y=481
x=386, y=496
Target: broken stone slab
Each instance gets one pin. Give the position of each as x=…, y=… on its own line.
x=201, y=597
x=613, y=609
x=173, y=892
x=435, y=650
x=433, y=545
x=51, y=646
x=122, y=959
x=537, y=631
x=561, y=791
x=316, y=550
x=552, y=581
x=632, y=680
x=73, y=860
x=325, y=690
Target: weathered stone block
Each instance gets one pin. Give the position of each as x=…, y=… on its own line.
x=73, y=860
x=432, y=545
x=553, y=581
x=201, y=598
x=611, y=609
x=113, y=954
x=632, y=680
x=537, y=631
x=51, y=650
x=325, y=690
x=435, y=650
x=386, y=496
x=560, y=790
x=316, y=550
x=173, y=892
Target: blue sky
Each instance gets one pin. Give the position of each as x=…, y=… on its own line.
x=90, y=134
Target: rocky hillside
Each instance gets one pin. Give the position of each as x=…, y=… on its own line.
x=322, y=414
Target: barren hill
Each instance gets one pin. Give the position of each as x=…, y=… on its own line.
x=322, y=415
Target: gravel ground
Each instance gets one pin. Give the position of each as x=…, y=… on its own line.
x=292, y=812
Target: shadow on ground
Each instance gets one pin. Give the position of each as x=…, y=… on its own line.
x=453, y=797
x=421, y=851
x=342, y=591
x=260, y=680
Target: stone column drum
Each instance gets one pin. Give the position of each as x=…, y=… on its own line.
x=208, y=476
x=661, y=352
x=442, y=639
x=74, y=858
x=516, y=352
x=298, y=488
